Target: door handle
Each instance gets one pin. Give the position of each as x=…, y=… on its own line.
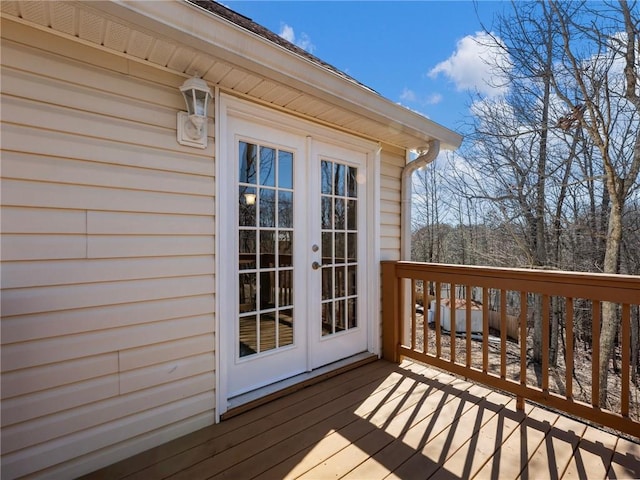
x=315, y=265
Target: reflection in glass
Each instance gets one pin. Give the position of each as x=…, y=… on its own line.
x=285, y=327
x=352, y=280
x=247, y=246
x=267, y=290
x=267, y=207
x=339, y=225
x=285, y=209
x=327, y=283
x=268, y=331
x=247, y=207
x=339, y=218
x=326, y=172
x=352, y=247
x=352, y=185
x=327, y=318
x=248, y=160
x=247, y=292
x=339, y=179
x=285, y=249
x=285, y=169
x=352, y=316
x=352, y=215
x=340, y=282
x=327, y=248
x=248, y=335
x=285, y=297
x=267, y=167
x=326, y=213
x=339, y=252
x=341, y=315
x=267, y=249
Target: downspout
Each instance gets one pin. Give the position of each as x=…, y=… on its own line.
x=424, y=158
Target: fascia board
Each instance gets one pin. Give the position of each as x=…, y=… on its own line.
x=191, y=25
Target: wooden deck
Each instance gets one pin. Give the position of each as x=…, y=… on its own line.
x=387, y=421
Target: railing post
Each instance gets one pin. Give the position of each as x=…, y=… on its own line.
x=390, y=312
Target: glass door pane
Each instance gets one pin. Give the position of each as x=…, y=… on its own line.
x=265, y=256
x=338, y=219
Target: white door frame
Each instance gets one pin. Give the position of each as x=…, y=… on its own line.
x=227, y=105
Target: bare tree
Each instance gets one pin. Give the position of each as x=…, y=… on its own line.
x=603, y=99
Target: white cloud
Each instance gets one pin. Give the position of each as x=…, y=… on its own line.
x=304, y=42
x=287, y=33
x=475, y=65
x=434, y=99
x=410, y=96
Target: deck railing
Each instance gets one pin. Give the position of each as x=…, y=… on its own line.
x=419, y=317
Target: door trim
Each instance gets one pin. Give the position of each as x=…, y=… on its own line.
x=227, y=105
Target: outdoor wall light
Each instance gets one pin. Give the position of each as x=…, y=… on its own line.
x=192, y=124
x=250, y=198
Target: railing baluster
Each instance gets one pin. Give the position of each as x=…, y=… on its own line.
x=425, y=315
x=545, y=343
x=569, y=341
x=413, y=314
x=523, y=347
x=503, y=334
x=438, y=319
x=468, y=304
x=485, y=330
x=595, y=355
x=452, y=315
x=626, y=358
x=402, y=308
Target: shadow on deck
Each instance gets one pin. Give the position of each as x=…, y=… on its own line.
x=389, y=421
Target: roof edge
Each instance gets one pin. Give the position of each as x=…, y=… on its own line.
x=188, y=23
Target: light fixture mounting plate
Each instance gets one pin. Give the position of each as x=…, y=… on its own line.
x=187, y=132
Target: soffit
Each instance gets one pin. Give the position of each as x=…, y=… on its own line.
x=187, y=39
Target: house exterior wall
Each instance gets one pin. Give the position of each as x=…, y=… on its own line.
x=107, y=277
x=392, y=161
x=107, y=259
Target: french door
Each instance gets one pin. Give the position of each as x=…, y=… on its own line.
x=293, y=265
x=338, y=315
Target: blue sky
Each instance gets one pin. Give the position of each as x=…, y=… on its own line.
x=417, y=53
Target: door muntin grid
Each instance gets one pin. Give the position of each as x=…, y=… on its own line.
x=265, y=253
x=339, y=231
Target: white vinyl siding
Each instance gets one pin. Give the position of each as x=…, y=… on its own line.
x=392, y=161
x=107, y=259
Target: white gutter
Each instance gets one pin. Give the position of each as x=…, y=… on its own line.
x=424, y=158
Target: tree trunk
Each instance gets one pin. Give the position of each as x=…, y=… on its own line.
x=610, y=322
x=541, y=199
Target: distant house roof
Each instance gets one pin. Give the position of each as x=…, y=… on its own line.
x=250, y=25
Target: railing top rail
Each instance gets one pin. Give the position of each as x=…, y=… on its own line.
x=499, y=271
x=597, y=286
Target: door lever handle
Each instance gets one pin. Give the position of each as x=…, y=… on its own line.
x=315, y=265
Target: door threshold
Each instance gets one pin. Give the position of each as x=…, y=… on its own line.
x=247, y=401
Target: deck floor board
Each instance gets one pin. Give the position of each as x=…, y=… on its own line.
x=389, y=421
